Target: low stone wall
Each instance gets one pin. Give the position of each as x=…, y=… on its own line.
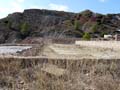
x=102, y=44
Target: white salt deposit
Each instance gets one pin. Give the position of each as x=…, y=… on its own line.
x=13, y=49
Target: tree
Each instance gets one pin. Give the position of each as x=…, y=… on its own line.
x=24, y=29
x=86, y=36
x=94, y=27
x=77, y=25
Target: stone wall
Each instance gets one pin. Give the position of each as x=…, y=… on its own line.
x=102, y=44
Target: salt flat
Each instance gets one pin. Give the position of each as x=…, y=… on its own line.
x=12, y=49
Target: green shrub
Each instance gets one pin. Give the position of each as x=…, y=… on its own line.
x=24, y=29
x=68, y=23
x=86, y=36
x=103, y=33
x=94, y=27
x=77, y=25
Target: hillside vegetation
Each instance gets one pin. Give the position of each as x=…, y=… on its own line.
x=46, y=23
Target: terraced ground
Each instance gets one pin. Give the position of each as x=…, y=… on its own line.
x=67, y=51
x=80, y=52
x=61, y=67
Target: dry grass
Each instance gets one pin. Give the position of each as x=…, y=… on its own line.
x=16, y=74
x=74, y=74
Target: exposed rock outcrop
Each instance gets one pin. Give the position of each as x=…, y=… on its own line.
x=47, y=23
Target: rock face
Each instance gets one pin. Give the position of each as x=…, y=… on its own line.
x=47, y=23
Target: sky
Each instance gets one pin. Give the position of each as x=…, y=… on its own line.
x=99, y=6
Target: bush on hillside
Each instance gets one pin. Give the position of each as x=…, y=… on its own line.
x=24, y=29
x=86, y=36
x=77, y=25
x=68, y=23
x=94, y=27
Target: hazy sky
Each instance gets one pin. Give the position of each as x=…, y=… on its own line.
x=100, y=6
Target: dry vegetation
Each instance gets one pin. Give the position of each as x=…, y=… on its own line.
x=59, y=73
x=20, y=74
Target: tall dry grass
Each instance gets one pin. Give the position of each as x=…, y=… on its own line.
x=26, y=74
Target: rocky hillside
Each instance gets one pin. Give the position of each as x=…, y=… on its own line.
x=43, y=23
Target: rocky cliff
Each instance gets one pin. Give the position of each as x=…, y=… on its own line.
x=48, y=23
